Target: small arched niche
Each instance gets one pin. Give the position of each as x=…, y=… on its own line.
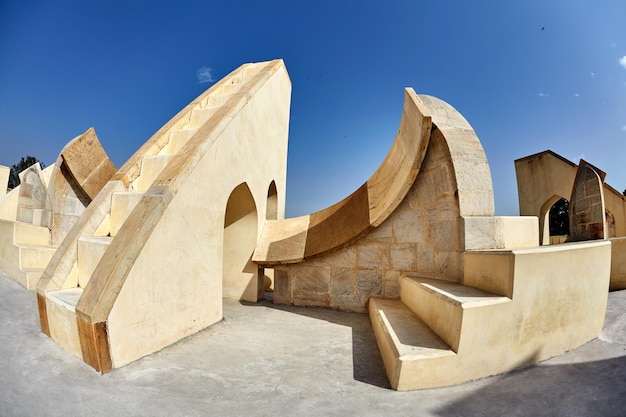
x=271, y=213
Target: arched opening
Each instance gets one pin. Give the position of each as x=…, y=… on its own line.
x=240, y=276
x=544, y=219
x=559, y=221
x=271, y=213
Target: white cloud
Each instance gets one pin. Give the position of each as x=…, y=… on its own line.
x=622, y=61
x=576, y=95
x=593, y=74
x=205, y=75
x=624, y=128
x=544, y=95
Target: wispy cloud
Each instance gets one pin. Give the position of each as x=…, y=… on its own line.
x=622, y=61
x=624, y=128
x=576, y=95
x=592, y=74
x=544, y=95
x=205, y=75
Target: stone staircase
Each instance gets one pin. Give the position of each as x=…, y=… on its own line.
x=435, y=321
x=142, y=172
x=26, y=251
x=513, y=309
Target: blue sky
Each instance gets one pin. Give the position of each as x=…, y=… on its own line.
x=529, y=75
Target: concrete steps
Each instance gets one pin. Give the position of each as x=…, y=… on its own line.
x=90, y=251
x=31, y=277
x=34, y=256
x=177, y=139
x=122, y=204
x=433, y=329
x=449, y=308
x=412, y=353
x=200, y=116
x=151, y=167
x=61, y=312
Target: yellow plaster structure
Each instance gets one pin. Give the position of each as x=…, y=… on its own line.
x=36, y=215
x=174, y=230
x=454, y=293
x=546, y=177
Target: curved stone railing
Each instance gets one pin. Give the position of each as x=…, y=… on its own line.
x=293, y=240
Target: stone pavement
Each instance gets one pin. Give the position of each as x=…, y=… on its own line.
x=266, y=360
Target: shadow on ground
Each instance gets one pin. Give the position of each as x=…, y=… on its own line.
x=366, y=360
x=595, y=388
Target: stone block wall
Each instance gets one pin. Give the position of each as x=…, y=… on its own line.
x=421, y=237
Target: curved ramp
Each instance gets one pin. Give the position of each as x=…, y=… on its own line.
x=328, y=230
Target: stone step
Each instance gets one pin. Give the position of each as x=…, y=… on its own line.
x=28, y=234
x=178, y=139
x=200, y=116
x=454, y=311
x=67, y=298
x=61, y=312
x=122, y=204
x=490, y=270
x=32, y=276
x=413, y=355
x=90, y=251
x=151, y=167
x=35, y=256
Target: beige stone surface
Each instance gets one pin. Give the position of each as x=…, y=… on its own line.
x=60, y=307
x=423, y=234
x=339, y=225
x=544, y=178
x=5, y=172
x=24, y=251
x=32, y=193
x=193, y=217
x=500, y=232
x=89, y=252
x=446, y=333
x=88, y=162
x=618, y=263
x=587, y=210
x=161, y=278
x=8, y=205
x=122, y=204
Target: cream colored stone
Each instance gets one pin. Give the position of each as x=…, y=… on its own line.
x=60, y=307
x=5, y=172
x=178, y=139
x=558, y=303
x=161, y=278
x=500, y=232
x=90, y=252
x=122, y=204
x=618, y=263
x=151, y=167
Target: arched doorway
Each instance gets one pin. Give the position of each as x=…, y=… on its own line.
x=558, y=219
x=240, y=276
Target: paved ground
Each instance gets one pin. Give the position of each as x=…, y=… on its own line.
x=264, y=360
